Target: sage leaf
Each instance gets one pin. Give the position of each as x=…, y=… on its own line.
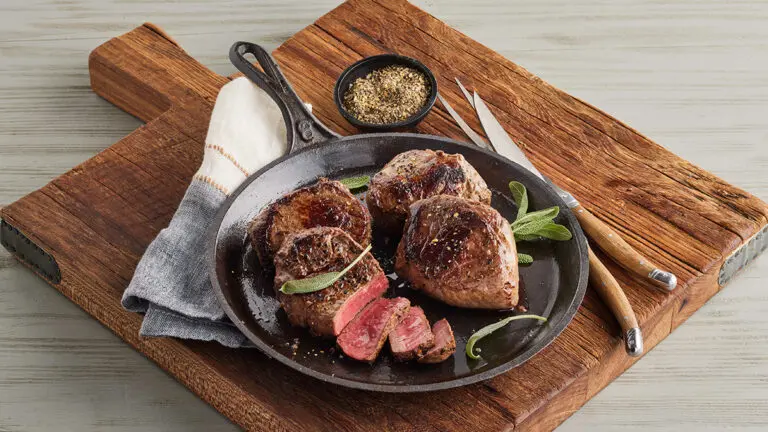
x=555, y=232
x=532, y=227
x=549, y=213
x=485, y=331
x=526, y=237
x=321, y=281
x=524, y=258
x=535, y=225
x=520, y=195
x=357, y=182
x=310, y=284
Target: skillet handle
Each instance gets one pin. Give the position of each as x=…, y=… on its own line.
x=303, y=128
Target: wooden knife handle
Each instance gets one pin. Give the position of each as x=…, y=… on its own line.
x=612, y=294
x=612, y=244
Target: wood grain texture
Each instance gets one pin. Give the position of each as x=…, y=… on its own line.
x=611, y=293
x=611, y=242
x=589, y=387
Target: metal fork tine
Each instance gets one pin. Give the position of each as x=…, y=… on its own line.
x=477, y=139
x=466, y=93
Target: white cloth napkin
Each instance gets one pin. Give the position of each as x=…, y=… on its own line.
x=171, y=285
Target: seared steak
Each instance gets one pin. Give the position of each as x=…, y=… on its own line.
x=412, y=337
x=364, y=336
x=325, y=203
x=322, y=250
x=445, y=343
x=461, y=252
x=418, y=174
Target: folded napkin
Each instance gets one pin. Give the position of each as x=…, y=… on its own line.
x=171, y=285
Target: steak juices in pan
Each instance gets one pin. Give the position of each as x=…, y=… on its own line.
x=292, y=267
x=454, y=247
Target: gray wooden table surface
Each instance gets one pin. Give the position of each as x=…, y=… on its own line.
x=692, y=75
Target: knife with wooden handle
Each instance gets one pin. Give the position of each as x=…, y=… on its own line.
x=615, y=246
x=602, y=234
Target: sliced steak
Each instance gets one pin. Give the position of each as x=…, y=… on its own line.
x=461, y=252
x=445, y=343
x=322, y=250
x=412, y=337
x=364, y=336
x=325, y=203
x=418, y=174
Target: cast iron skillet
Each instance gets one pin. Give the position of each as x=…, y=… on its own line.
x=553, y=285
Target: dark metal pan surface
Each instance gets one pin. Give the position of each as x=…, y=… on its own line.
x=553, y=285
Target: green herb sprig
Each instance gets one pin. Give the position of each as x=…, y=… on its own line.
x=485, y=331
x=356, y=182
x=534, y=225
x=520, y=195
x=321, y=281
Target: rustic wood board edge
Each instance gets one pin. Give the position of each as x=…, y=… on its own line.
x=189, y=362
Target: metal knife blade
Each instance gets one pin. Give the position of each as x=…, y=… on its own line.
x=477, y=139
x=499, y=138
x=569, y=199
x=507, y=148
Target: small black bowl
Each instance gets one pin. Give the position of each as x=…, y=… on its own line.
x=368, y=65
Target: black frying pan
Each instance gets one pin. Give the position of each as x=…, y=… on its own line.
x=553, y=285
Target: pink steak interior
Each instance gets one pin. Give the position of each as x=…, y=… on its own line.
x=365, y=335
x=412, y=333
x=375, y=289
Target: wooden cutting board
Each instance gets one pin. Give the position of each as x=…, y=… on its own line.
x=86, y=230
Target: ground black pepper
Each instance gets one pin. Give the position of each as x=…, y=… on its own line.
x=387, y=95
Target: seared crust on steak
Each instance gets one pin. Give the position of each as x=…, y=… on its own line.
x=461, y=252
x=325, y=203
x=322, y=250
x=419, y=174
